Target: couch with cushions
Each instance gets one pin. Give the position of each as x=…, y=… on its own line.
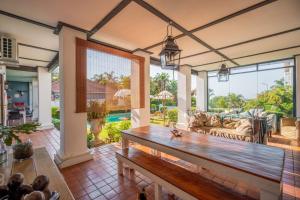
x=215, y=124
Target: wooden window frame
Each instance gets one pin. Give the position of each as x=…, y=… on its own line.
x=81, y=70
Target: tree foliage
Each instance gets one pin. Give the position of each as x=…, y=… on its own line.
x=279, y=99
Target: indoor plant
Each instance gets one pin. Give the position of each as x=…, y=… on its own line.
x=10, y=135
x=96, y=114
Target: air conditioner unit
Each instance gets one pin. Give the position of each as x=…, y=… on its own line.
x=8, y=49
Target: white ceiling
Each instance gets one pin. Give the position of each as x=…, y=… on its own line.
x=134, y=27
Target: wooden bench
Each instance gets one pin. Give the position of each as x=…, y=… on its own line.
x=183, y=183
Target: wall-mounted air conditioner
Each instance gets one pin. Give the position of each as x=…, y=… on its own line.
x=8, y=49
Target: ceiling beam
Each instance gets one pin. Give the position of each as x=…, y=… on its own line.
x=60, y=25
x=180, y=28
x=220, y=20
x=33, y=59
x=54, y=63
x=26, y=20
x=37, y=47
x=109, y=45
x=251, y=55
x=23, y=68
x=108, y=17
x=245, y=42
x=154, y=61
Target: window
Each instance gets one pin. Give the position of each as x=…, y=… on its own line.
x=266, y=85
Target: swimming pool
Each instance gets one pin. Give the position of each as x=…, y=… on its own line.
x=118, y=117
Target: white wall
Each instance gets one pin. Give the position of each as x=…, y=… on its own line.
x=44, y=94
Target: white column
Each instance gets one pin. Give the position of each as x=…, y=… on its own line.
x=297, y=60
x=44, y=94
x=201, y=91
x=3, y=72
x=35, y=99
x=140, y=116
x=73, y=129
x=184, y=95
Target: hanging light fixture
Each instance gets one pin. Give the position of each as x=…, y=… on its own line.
x=223, y=73
x=170, y=53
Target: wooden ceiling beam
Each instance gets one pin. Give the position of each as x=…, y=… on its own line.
x=108, y=17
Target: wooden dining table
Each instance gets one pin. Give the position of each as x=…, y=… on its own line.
x=255, y=165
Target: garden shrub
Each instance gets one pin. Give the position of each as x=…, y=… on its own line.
x=112, y=131
x=56, y=123
x=89, y=139
x=124, y=125
x=55, y=112
x=153, y=108
x=173, y=115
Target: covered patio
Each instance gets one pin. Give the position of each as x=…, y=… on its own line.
x=105, y=51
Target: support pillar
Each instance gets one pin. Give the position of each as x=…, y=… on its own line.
x=201, y=91
x=35, y=99
x=73, y=129
x=184, y=95
x=297, y=64
x=44, y=96
x=140, y=116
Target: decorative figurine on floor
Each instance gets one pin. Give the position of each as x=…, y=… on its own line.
x=16, y=190
x=142, y=195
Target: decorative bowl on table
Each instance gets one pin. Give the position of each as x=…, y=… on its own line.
x=176, y=133
x=22, y=150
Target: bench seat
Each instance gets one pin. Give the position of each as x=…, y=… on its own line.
x=181, y=182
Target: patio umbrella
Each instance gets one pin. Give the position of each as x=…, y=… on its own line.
x=122, y=93
x=164, y=95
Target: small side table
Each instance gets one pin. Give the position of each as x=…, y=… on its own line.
x=259, y=126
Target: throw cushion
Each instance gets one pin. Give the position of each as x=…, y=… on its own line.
x=245, y=127
x=194, y=122
x=198, y=120
x=214, y=121
x=231, y=123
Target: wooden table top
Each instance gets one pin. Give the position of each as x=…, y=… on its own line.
x=259, y=160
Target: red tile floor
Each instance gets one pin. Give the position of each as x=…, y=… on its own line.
x=98, y=179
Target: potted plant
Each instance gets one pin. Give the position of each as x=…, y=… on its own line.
x=8, y=135
x=96, y=114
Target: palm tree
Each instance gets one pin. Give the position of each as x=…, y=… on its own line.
x=105, y=78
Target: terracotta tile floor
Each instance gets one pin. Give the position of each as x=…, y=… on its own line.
x=98, y=179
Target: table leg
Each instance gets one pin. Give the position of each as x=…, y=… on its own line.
x=267, y=195
x=157, y=191
x=125, y=143
x=120, y=167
